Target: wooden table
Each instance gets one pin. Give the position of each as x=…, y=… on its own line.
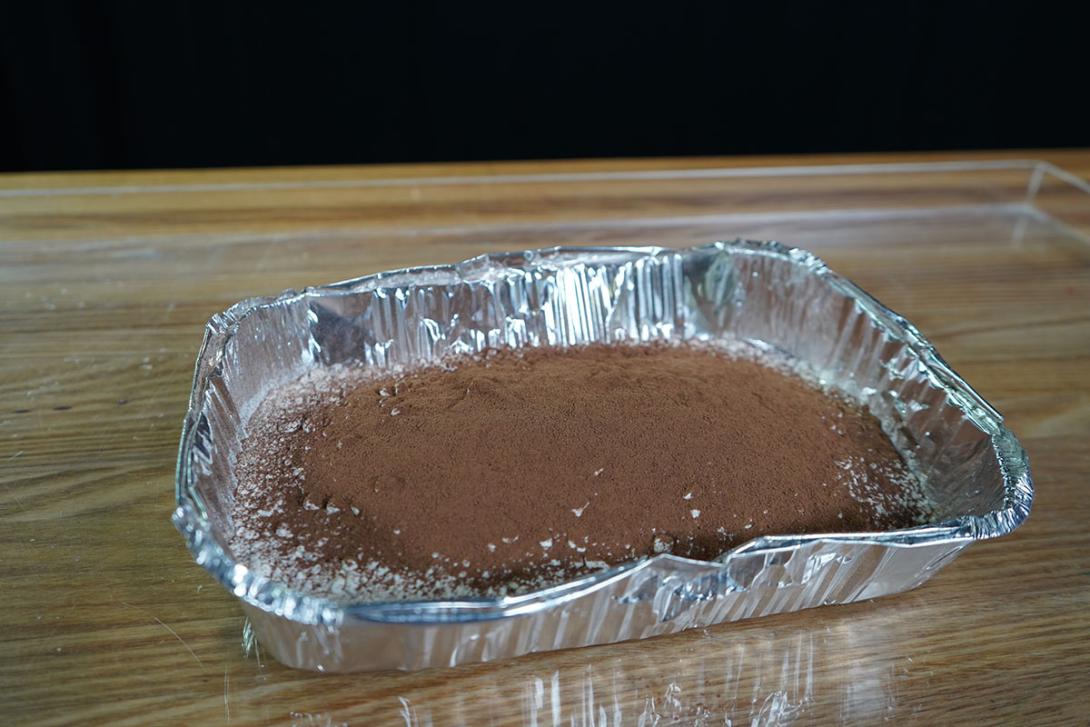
x=107, y=279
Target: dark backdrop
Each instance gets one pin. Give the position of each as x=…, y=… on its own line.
x=150, y=84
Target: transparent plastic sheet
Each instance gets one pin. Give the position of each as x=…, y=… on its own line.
x=764, y=292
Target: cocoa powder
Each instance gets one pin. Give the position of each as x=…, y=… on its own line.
x=519, y=468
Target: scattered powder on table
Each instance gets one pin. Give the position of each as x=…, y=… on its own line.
x=516, y=469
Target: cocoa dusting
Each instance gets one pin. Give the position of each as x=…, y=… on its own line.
x=515, y=469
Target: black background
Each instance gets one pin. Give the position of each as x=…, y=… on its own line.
x=135, y=85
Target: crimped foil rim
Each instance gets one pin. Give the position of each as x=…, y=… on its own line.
x=276, y=598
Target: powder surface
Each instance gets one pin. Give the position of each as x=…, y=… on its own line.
x=516, y=469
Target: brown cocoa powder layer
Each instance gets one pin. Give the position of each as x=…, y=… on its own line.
x=517, y=468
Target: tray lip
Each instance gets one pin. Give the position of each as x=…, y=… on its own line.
x=270, y=596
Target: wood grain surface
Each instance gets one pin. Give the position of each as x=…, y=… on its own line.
x=106, y=280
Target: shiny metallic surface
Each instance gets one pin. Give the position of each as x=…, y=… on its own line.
x=975, y=470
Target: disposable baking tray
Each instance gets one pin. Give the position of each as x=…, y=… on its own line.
x=783, y=297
